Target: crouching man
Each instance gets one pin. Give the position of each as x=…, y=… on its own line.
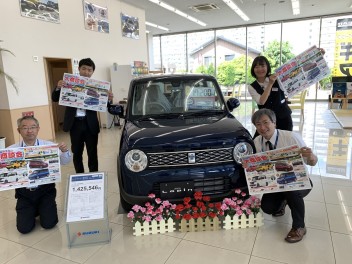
x=39, y=200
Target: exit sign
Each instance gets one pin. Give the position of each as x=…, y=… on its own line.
x=29, y=113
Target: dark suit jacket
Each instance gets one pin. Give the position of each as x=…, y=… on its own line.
x=70, y=113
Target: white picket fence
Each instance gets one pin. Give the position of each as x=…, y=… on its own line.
x=237, y=222
x=154, y=227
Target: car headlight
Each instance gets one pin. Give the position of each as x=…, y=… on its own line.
x=136, y=160
x=240, y=150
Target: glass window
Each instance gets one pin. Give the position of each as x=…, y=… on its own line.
x=173, y=48
x=156, y=54
x=201, y=52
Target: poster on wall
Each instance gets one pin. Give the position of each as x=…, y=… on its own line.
x=302, y=71
x=47, y=10
x=343, y=58
x=29, y=166
x=95, y=17
x=129, y=26
x=84, y=93
x=276, y=171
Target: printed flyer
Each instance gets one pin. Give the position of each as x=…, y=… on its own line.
x=304, y=70
x=29, y=166
x=277, y=170
x=85, y=93
x=85, y=200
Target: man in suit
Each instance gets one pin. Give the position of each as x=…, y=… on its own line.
x=82, y=124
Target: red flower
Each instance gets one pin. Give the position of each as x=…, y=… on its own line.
x=212, y=214
x=199, y=204
x=198, y=195
x=195, y=215
x=186, y=200
x=203, y=214
x=206, y=198
x=187, y=217
x=218, y=206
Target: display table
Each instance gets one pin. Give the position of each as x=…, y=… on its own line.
x=343, y=102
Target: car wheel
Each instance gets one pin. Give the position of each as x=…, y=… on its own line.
x=125, y=205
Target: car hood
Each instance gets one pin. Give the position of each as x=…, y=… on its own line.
x=190, y=133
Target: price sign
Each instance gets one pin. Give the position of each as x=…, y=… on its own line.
x=85, y=197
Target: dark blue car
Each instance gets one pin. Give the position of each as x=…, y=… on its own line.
x=38, y=174
x=180, y=137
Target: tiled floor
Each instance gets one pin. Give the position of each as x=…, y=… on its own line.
x=328, y=215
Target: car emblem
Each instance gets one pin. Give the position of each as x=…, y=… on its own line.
x=191, y=157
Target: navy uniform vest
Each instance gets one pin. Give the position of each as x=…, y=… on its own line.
x=273, y=102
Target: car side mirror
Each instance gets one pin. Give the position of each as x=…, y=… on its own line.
x=233, y=103
x=116, y=110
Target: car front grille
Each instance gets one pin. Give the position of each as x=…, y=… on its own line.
x=182, y=158
x=208, y=186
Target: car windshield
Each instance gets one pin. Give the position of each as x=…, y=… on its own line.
x=183, y=97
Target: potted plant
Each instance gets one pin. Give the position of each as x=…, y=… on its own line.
x=3, y=73
x=156, y=216
x=203, y=215
x=241, y=211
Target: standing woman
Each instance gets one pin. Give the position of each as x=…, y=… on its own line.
x=265, y=90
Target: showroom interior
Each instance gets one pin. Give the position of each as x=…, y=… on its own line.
x=41, y=40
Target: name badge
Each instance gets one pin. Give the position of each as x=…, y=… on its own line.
x=80, y=112
x=274, y=89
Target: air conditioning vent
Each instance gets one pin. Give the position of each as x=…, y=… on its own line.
x=204, y=7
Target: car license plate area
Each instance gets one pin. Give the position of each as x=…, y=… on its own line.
x=173, y=190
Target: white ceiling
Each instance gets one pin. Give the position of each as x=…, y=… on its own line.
x=275, y=10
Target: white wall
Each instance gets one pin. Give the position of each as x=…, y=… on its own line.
x=27, y=37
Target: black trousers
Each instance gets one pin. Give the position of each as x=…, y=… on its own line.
x=80, y=135
x=271, y=203
x=37, y=202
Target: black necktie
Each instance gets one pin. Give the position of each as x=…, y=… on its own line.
x=270, y=145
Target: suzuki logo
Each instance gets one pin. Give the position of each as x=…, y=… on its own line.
x=192, y=157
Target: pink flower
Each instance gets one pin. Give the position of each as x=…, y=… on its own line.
x=130, y=215
x=147, y=218
x=158, y=218
x=224, y=207
x=136, y=208
x=239, y=212
x=158, y=200
x=151, y=195
x=166, y=203
x=238, y=191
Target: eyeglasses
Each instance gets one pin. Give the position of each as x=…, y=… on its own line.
x=28, y=128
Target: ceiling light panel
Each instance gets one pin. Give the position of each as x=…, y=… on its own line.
x=178, y=12
x=237, y=10
x=295, y=7
x=156, y=26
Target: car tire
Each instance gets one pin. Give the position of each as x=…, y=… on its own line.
x=125, y=205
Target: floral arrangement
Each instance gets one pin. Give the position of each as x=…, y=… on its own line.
x=202, y=207
x=237, y=206
x=155, y=210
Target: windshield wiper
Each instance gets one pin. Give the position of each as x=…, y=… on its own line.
x=157, y=116
x=202, y=113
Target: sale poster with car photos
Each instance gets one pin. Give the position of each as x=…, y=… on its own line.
x=85, y=93
x=304, y=70
x=95, y=17
x=29, y=166
x=278, y=170
x=46, y=10
x=85, y=198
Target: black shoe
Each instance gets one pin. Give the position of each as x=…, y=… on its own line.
x=281, y=210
